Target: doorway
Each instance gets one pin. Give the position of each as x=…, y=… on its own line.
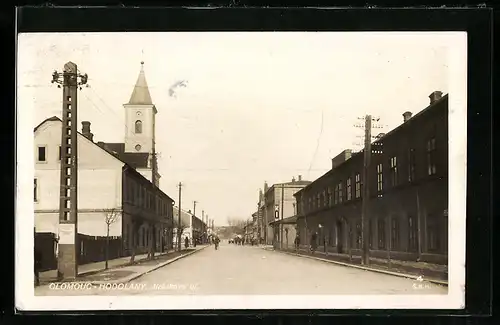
x=340, y=236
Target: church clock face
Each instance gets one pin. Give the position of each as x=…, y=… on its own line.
x=138, y=147
x=139, y=113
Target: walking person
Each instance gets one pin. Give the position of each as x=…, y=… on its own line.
x=297, y=243
x=216, y=242
x=186, y=242
x=314, y=243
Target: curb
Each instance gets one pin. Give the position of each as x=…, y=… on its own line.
x=138, y=275
x=403, y=275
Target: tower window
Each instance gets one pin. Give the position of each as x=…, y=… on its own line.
x=138, y=126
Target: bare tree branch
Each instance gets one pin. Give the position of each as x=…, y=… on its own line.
x=112, y=216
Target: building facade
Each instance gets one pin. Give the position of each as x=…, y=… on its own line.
x=408, y=194
x=113, y=178
x=279, y=204
x=106, y=185
x=192, y=227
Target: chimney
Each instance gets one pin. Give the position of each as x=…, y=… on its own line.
x=300, y=178
x=266, y=187
x=406, y=116
x=340, y=158
x=435, y=96
x=100, y=144
x=86, y=130
x=293, y=180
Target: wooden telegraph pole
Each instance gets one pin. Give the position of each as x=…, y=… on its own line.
x=365, y=209
x=67, y=258
x=179, y=226
x=366, y=191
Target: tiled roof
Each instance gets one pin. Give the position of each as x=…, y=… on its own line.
x=134, y=159
x=141, y=95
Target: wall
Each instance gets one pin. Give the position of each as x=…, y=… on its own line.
x=396, y=204
x=99, y=183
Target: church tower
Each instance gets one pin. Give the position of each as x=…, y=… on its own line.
x=140, y=118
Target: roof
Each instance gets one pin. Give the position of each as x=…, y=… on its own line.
x=114, y=145
x=286, y=221
x=134, y=159
x=300, y=183
x=385, y=136
x=140, y=94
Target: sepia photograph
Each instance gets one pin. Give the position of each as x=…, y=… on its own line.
x=241, y=170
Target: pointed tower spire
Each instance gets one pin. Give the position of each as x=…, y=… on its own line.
x=140, y=95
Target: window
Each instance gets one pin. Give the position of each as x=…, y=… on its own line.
x=42, y=153
x=380, y=180
x=336, y=195
x=431, y=156
x=35, y=190
x=394, y=171
x=412, y=234
x=394, y=233
x=138, y=126
x=381, y=233
x=358, y=234
x=358, y=185
x=341, y=192
x=330, y=194
x=348, y=190
x=60, y=153
x=411, y=165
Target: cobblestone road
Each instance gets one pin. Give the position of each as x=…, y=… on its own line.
x=254, y=271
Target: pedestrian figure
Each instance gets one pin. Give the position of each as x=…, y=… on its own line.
x=313, y=242
x=216, y=242
x=37, y=266
x=186, y=242
x=297, y=243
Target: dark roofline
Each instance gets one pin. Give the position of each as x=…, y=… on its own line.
x=388, y=134
x=55, y=119
x=49, y=119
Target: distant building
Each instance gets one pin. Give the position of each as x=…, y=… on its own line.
x=192, y=226
x=408, y=202
x=275, y=209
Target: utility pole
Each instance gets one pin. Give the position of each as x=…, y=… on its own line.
x=179, y=226
x=281, y=214
x=67, y=258
x=365, y=231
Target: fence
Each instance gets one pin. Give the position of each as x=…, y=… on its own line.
x=91, y=249
x=45, y=243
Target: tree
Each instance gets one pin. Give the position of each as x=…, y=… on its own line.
x=111, y=217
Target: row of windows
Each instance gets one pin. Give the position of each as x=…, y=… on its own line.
x=136, y=194
x=327, y=198
x=435, y=231
x=139, y=195
x=42, y=154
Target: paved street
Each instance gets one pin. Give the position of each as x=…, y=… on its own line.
x=252, y=270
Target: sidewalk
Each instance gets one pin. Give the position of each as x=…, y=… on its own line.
x=433, y=273
x=120, y=270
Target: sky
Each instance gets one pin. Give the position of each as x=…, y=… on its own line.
x=262, y=106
